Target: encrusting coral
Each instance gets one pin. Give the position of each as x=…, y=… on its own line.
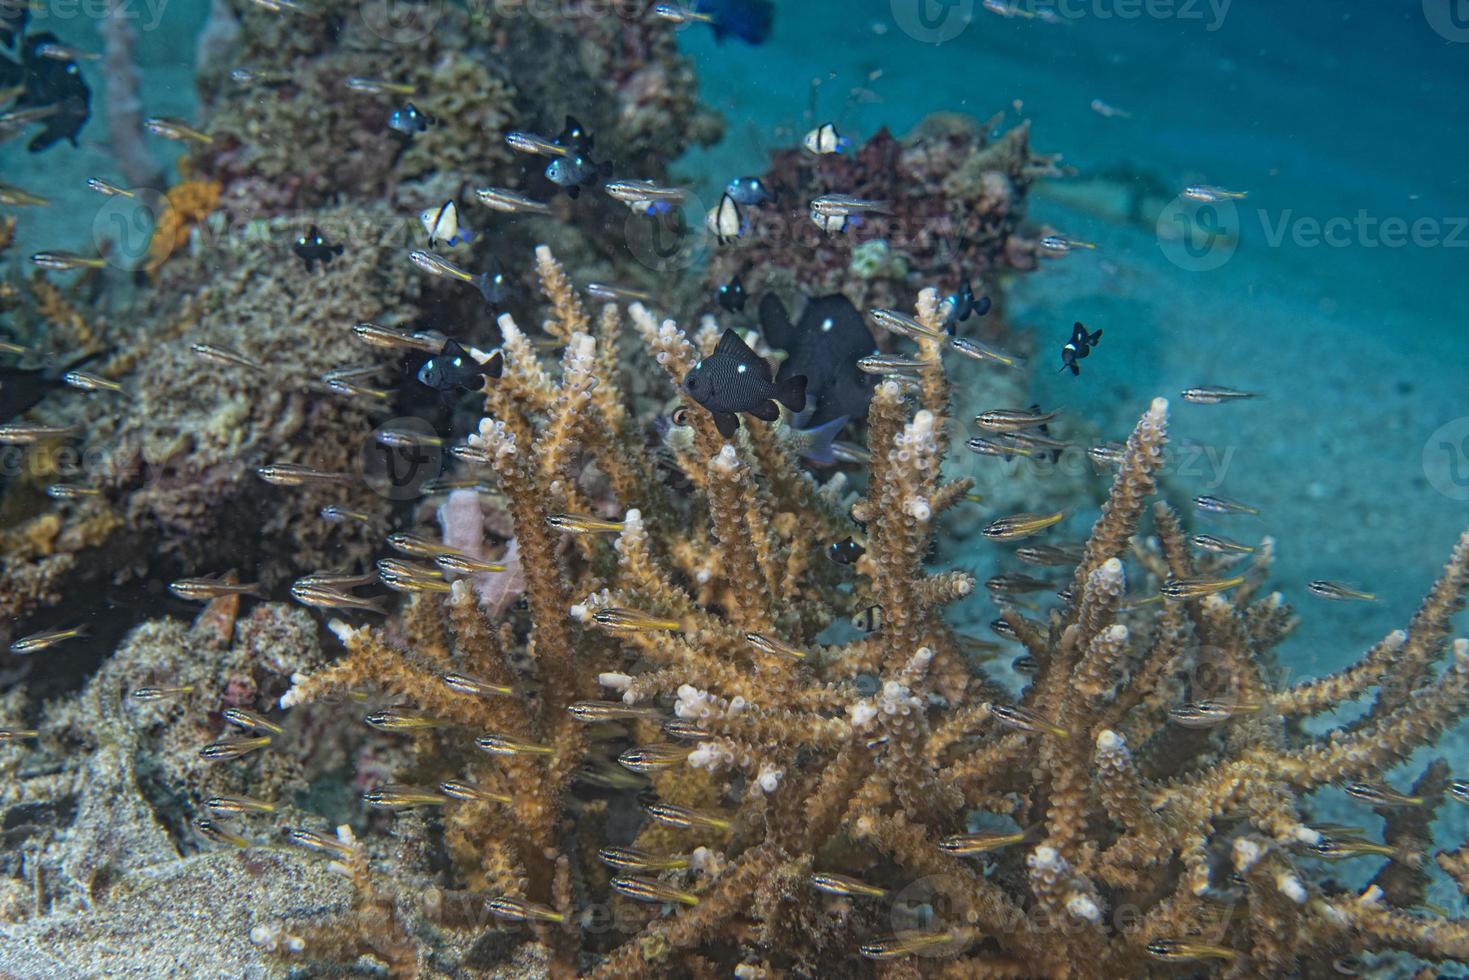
x=818, y=804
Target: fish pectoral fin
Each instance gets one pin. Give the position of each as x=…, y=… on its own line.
x=766, y=411
x=727, y=423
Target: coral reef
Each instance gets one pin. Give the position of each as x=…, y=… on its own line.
x=815, y=803
x=955, y=207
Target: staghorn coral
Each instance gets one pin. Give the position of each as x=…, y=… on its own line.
x=791, y=749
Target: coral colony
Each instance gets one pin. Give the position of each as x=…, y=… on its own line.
x=618, y=683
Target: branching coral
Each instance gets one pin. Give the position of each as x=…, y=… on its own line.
x=790, y=758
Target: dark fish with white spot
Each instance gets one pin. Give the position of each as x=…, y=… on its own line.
x=735, y=379
x=1079, y=346
x=732, y=295
x=824, y=346
x=313, y=247
x=456, y=368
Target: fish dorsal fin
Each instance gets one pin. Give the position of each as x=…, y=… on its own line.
x=731, y=344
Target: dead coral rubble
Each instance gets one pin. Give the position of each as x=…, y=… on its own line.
x=702, y=642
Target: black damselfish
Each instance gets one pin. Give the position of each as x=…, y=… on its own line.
x=824, y=346
x=962, y=305
x=735, y=379
x=732, y=295
x=1079, y=346
x=48, y=83
x=312, y=248
x=454, y=367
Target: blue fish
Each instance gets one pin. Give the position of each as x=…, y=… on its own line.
x=408, y=121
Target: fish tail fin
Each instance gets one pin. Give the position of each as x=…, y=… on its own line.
x=775, y=322
x=792, y=392
x=464, y=237
x=1095, y=337
x=819, y=450
x=486, y=286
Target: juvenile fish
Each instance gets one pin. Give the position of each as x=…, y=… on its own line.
x=1338, y=591
x=176, y=129
x=395, y=797
x=1056, y=556
x=889, y=364
x=400, y=719
x=509, y=202
x=651, y=890
x=311, y=840
x=1197, y=588
x=1012, y=583
x=845, y=885
x=458, y=789
x=1207, y=395
x=523, y=142
x=417, y=546
x=1375, y=795
x=473, y=686
x=205, y=589
x=255, y=76
x=1025, y=720
x=1219, y=505
x=1012, y=419
x=217, y=833
x=457, y=564
x=1021, y=525
x=684, y=818
x=909, y=943
x=613, y=294
x=519, y=910
x=496, y=744
x=1183, y=951
x=633, y=621
x=105, y=189
x=63, y=261
x=654, y=758
x=229, y=747
x=582, y=524
x=144, y=695
x=903, y=325
x=17, y=734
x=323, y=597
x=1336, y=849
x=229, y=805
x=377, y=86
x=1001, y=448
x=1220, y=546
x=71, y=491
x=45, y=639
x=298, y=475
x=249, y=720
x=490, y=284
x=967, y=845
x=843, y=205
x=631, y=859
x=386, y=338
x=979, y=352
x=1061, y=245
x=1208, y=713
x=223, y=355
x=1208, y=194
x=825, y=139
x=597, y=711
